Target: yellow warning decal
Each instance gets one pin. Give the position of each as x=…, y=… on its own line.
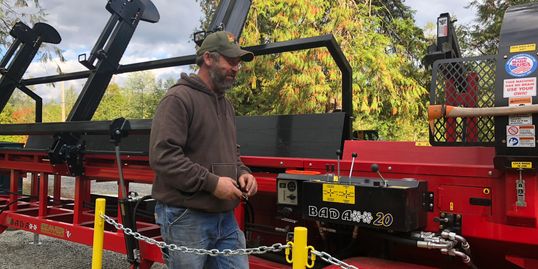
x=422, y=144
x=335, y=193
x=522, y=48
x=523, y=165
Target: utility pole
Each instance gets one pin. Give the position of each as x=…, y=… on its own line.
x=63, y=100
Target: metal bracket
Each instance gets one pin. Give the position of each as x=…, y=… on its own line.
x=449, y=221
x=68, y=149
x=428, y=201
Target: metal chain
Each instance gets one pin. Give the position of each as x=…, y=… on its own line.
x=332, y=260
x=212, y=252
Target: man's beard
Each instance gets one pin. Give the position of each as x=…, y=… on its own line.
x=220, y=82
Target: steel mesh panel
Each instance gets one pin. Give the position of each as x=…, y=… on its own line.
x=464, y=82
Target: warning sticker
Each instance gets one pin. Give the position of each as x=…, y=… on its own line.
x=520, y=120
x=344, y=194
x=520, y=142
x=520, y=65
x=527, y=165
x=512, y=130
x=520, y=101
x=523, y=48
x=442, y=27
x=526, y=130
x=520, y=130
x=519, y=87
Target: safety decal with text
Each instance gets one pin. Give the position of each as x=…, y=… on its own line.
x=525, y=119
x=521, y=65
x=522, y=48
x=520, y=101
x=344, y=194
x=516, y=165
x=519, y=87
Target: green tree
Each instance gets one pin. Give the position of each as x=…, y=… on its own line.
x=113, y=105
x=143, y=93
x=482, y=37
x=387, y=96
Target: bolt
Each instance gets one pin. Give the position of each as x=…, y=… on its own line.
x=389, y=168
x=490, y=173
x=443, y=215
x=281, y=163
x=441, y=227
x=431, y=204
x=431, y=195
x=505, y=56
x=309, y=164
x=503, y=141
x=458, y=216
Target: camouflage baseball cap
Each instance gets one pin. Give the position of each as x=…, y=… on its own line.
x=225, y=44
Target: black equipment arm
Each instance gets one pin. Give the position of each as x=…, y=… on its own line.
x=108, y=51
x=229, y=16
x=447, y=46
x=26, y=44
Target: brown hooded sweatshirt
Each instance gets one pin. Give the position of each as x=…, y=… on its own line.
x=192, y=143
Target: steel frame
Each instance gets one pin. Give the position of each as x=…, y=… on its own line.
x=447, y=174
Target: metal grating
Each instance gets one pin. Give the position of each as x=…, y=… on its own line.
x=464, y=82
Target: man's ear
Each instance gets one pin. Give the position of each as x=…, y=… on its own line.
x=208, y=60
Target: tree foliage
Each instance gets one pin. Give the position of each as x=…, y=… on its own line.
x=482, y=37
x=28, y=12
x=380, y=41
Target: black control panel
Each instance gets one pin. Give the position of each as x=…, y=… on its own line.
x=396, y=205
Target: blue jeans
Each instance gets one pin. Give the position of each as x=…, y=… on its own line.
x=202, y=230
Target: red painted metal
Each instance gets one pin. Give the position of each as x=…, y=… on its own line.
x=454, y=175
x=374, y=263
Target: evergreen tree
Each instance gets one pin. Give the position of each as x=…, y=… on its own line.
x=378, y=39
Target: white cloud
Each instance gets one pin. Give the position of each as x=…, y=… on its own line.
x=428, y=11
x=80, y=22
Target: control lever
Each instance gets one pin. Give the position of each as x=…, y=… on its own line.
x=338, y=157
x=353, y=156
x=375, y=169
x=330, y=172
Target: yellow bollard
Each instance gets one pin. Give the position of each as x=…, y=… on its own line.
x=98, y=234
x=300, y=251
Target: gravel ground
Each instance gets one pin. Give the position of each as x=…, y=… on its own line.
x=18, y=251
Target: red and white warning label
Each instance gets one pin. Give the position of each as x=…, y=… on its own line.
x=519, y=87
x=522, y=130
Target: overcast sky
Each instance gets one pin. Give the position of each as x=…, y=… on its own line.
x=80, y=22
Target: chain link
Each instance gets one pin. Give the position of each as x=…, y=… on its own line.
x=212, y=252
x=332, y=260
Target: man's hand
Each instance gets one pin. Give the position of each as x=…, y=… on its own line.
x=227, y=189
x=248, y=184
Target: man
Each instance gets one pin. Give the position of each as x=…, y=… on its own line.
x=200, y=178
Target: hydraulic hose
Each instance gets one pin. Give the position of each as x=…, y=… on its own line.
x=455, y=237
x=464, y=257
